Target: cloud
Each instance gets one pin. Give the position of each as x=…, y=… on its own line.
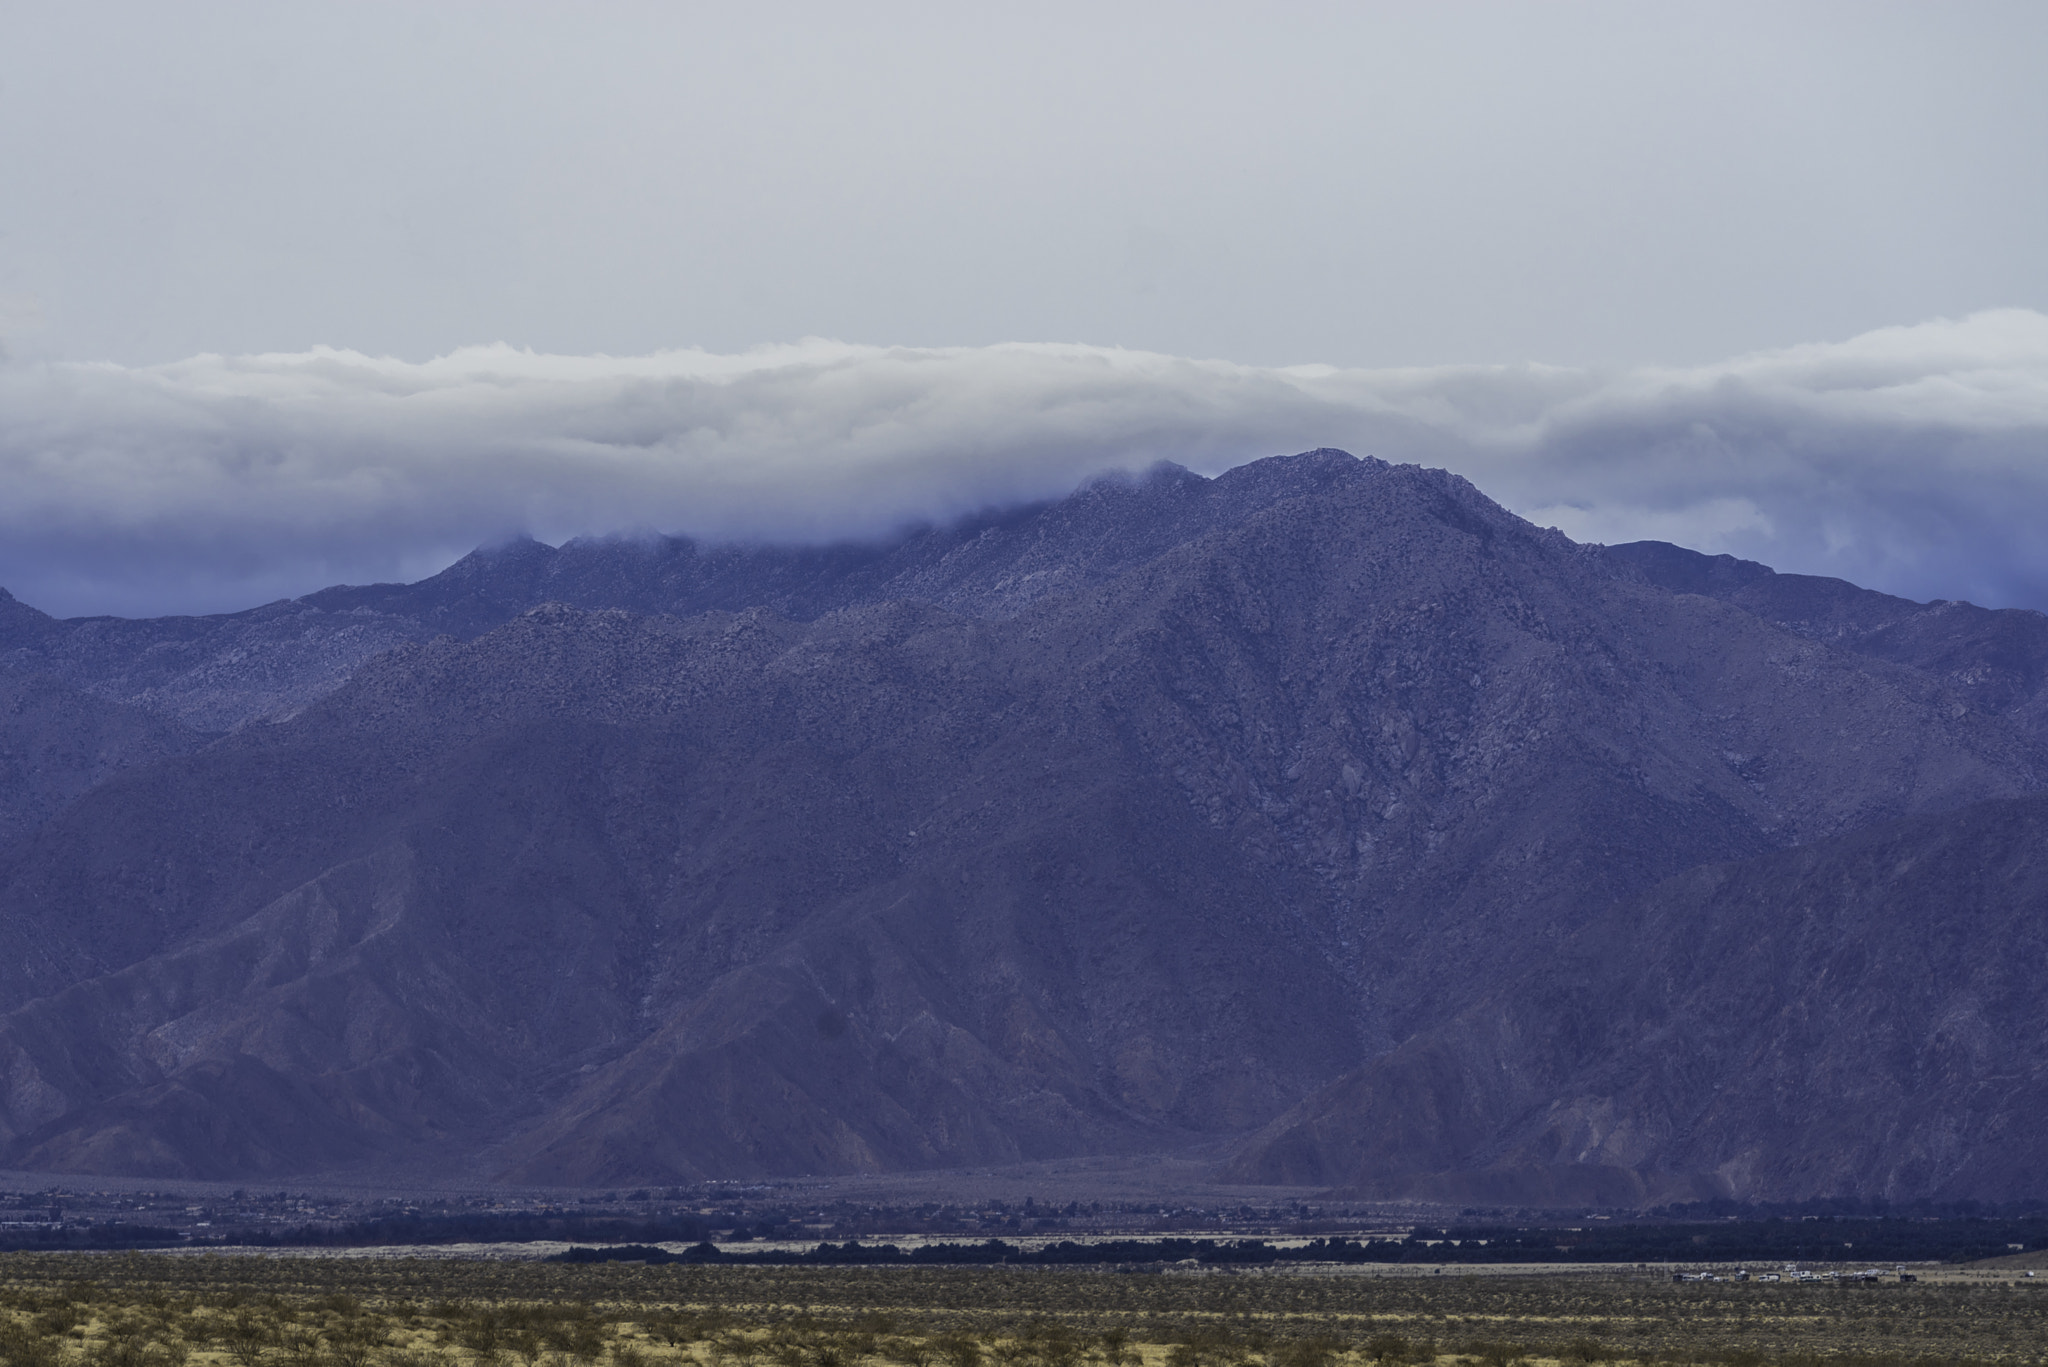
x=1913, y=459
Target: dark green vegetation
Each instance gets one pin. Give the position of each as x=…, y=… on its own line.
x=1954, y=1241
x=160, y=1311
x=1760, y=1241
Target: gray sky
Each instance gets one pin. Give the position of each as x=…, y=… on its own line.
x=1356, y=184
x=1759, y=278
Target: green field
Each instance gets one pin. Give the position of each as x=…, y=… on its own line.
x=157, y=1310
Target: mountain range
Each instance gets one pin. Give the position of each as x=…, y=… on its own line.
x=1323, y=814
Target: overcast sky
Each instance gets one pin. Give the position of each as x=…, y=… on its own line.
x=1620, y=192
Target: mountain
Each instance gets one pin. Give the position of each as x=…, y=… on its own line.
x=58, y=742
x=221, y=672
x=1860, y=1017
x=1159, y=815
x=1998, y=657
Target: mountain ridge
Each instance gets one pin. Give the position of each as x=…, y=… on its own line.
x=1140, y=820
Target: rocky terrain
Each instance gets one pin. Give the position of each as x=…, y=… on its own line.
x=1324, y=803
x=1859, y=1016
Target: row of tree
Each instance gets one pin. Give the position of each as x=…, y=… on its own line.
x=1730, y=1241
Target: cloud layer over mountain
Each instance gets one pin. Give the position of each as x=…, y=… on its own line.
x=1911, y=459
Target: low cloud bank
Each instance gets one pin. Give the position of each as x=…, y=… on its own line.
x=1912, y=459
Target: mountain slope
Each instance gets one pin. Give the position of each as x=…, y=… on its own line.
x=561, y=891
x=1996, y=657
x=1127, y=821
x=57, y=743
x=220, y=672
x=1860, y=1017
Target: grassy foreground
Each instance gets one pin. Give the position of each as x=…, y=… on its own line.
x=150, y=1310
